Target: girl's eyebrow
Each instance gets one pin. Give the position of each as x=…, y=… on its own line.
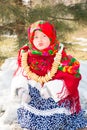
x=36, y=36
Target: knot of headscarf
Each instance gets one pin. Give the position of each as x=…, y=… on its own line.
x=48, y=29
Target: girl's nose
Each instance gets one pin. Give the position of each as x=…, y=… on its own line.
x=40, y=39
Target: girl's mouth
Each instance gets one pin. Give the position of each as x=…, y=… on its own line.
x=40, y=44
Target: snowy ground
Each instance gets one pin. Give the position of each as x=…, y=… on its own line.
x=6, y=72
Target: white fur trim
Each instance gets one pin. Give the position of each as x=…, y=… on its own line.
x=46, y=112
x=18, y=82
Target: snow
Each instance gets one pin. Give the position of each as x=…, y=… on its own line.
x=6, y=72
x=80, y=41
x=25, y=2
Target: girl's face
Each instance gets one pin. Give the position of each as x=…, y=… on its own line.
x=41, y=41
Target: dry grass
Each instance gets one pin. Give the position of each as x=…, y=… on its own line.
x=8, y=48
x=80, y=32
x=75, y=52
x=75, y=49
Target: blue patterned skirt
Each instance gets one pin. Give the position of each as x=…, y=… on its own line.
x=45, y=114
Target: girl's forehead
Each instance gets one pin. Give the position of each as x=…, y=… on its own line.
x=38, y=32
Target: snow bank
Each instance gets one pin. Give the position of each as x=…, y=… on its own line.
x=6, y=72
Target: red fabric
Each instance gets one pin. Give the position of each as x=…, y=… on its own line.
x=72, y=83
x=45, y=27
x=44, y=65
x=41, y=64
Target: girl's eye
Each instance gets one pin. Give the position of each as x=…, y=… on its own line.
x=44, y=36
x=35, y=36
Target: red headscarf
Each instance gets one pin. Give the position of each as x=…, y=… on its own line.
x=43, y=26
x=47, y=29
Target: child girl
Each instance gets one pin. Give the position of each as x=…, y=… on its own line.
x=46, y=82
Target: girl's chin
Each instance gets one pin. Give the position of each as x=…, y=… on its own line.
x=41, y=48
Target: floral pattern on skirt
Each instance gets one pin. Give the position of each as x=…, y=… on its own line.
x=41, y=114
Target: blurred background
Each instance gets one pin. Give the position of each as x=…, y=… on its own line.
x=68, y=16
